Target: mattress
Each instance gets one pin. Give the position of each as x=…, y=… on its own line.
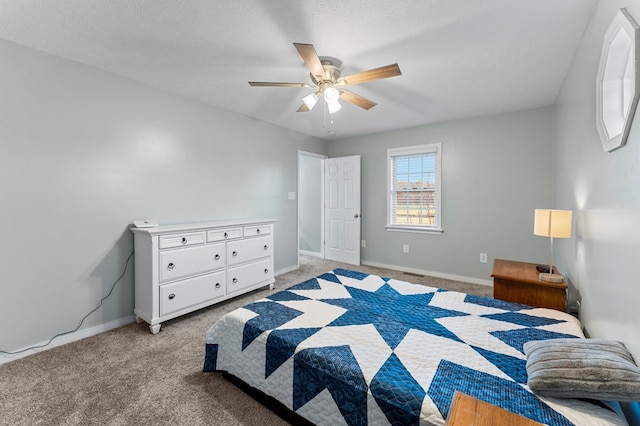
x=353, y=348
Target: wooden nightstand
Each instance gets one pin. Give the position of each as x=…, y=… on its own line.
x=518, y=282
x=469, y=411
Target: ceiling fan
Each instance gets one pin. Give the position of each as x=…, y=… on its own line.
x=328, y=83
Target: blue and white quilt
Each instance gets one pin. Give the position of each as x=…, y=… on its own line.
x=352, y=348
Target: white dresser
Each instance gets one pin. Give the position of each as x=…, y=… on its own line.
x=184, y=267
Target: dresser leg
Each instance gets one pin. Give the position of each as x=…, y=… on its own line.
x=154, y=329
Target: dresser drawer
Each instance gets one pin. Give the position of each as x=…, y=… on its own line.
x=191, y=261
x=255, y=230
x=224, y=234
x=245, y=276
x=180, y=240
x=247, y=250
x=186, y=293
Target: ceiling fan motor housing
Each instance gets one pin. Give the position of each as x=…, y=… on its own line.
x=331, y=75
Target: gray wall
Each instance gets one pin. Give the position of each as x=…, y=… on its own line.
x=83, y=153
x=310, y=203
x=603, y=190
x=495, y=172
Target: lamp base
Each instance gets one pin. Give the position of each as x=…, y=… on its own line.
x=551, y=278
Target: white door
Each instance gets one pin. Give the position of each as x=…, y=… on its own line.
x=342, y=209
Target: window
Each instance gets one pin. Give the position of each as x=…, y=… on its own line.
x=414, y=188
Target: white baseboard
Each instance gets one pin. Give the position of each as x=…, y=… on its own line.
x=431, y=273
x=285, y=270
x=310, y=253
x=67, y=338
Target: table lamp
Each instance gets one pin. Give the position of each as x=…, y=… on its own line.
x=552, y=224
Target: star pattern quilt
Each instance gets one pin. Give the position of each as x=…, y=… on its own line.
x=352, y=348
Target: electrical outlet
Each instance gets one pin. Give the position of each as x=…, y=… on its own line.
x=363, y=244
x=483, y=257
x=405, y=248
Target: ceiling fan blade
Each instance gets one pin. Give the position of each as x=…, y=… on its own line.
x=303, y=108
x=311, y=59
x=373, y=74
x=357, y=100
x=276, y=84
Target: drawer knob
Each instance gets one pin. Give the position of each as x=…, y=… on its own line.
x=266, y=271
x=266, y=247
x=235, y=280
x=226, y=235
x=171, y=296
x=234, y=254
x=258, y=231
x=184, y=240
x=216, y=257
x=170, y=266
x=218, y=285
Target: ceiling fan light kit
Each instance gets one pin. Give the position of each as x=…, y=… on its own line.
x=327, y=81
x=334, y=107
x=310, y=100
x=331, y=96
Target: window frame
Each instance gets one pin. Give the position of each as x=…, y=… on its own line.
x=407, y=151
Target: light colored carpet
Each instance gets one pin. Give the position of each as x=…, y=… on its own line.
x=128, y=376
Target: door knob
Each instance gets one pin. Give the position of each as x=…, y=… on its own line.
x=356, y=215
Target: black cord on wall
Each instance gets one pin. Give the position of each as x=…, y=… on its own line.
x=81, y=321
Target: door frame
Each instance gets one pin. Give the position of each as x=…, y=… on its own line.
x=320, y=157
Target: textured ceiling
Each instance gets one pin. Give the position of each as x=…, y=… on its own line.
x=459, y=58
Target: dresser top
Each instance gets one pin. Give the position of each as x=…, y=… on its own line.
x=191, y=226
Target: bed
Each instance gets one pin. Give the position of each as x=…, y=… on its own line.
x=353, y=348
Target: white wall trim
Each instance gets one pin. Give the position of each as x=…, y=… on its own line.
x=320, y=157
x=310, y=253
x=68, y=338
x=285, y=270
x=431, y=273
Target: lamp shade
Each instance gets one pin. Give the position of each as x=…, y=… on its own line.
x=552, y=223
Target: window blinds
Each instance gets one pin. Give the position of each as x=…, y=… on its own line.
x=414, y=188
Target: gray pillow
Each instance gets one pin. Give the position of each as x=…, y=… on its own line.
x=582, y=368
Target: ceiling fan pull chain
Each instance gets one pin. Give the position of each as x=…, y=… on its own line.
x=324, y=113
